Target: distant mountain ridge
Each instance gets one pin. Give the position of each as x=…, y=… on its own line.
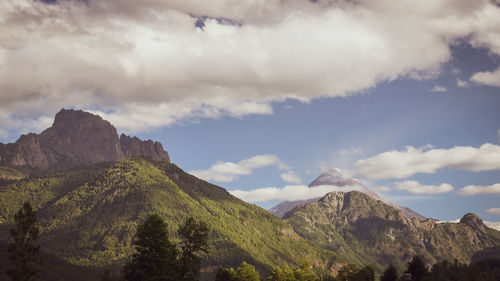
x=334, y=177
x=76, y=138
x=369, y=231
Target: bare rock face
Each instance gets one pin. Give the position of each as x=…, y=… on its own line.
x=133, y=147
x=360, y=226
x=76, y=138
x=334, y=177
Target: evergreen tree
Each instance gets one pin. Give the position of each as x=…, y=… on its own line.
x=304, y=272
x=247, y=272
x=195, y=240
x=367, y=273
x=225, y=274
x=156, y=257
x=390, y=274
x=23, y=252
x=284, y=273
x=347, y=272
x=417, y=269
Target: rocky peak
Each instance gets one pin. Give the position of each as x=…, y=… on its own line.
x=333, y=176
x=474, y=222
x=133, y=147
x=77, y=138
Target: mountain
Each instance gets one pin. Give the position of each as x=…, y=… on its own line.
x=364, y=230
x=88, y=216
x=334, y=177
x=76, y=138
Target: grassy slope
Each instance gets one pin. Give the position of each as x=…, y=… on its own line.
x=89, y=216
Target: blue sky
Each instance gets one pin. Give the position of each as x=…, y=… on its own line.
x=278, y=91
x=310, y=137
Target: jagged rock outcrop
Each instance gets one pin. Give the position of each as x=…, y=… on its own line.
x=370, y=231
x=76, y=138
x=334, y=177
x=133, y=147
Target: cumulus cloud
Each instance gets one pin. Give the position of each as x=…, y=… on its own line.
x=417, y=188
x=494, y=225
x=291, y=177
x=381, y=188
x=480, y=190
x=462, y=83
x=439, y=89
x=127, y=58
x=356, y=150
x=493, y=211
x=403, y=164
x=488, y=78
x=229, y=171
x=288, y=193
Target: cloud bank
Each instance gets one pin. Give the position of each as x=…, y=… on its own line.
x=144, y=64
x=289, y=192
x=229, y=171
x=493, y=211
x=480, y=190
x=417, y=188
x=404, y=164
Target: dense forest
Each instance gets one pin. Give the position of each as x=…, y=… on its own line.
x=157, y=258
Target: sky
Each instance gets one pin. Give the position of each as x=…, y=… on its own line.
x=260, y=96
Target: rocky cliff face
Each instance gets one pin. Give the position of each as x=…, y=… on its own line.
x=76, y=138
x=372, y=232
x=334, y=177
x=133, y=147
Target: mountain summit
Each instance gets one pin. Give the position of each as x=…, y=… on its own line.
x=335, y=177
x=76, y=138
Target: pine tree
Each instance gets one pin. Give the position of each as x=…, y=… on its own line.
x=417, y=269
x=247, y=272
x=390, y=274
x=195, y=240
x=156, y=257
x=23, y=252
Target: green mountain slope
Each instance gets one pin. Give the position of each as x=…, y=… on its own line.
x=89, y=216
x=368, y=231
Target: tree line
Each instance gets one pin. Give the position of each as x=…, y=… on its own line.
x=156, y=258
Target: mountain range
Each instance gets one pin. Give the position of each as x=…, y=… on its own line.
x=92, y=188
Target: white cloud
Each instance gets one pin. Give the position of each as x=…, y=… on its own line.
x=127, y=58
x=288, y=193
x=489, y=78
x=462, y=83
x=493, y=211
x=356, y=150
x=480, y=190
x=451, y=221
x=381, y=188
x=403, y=164
x=417, y=188
x=229, y=171
x=494, y=225
x=438, y=89
x=291, y=177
